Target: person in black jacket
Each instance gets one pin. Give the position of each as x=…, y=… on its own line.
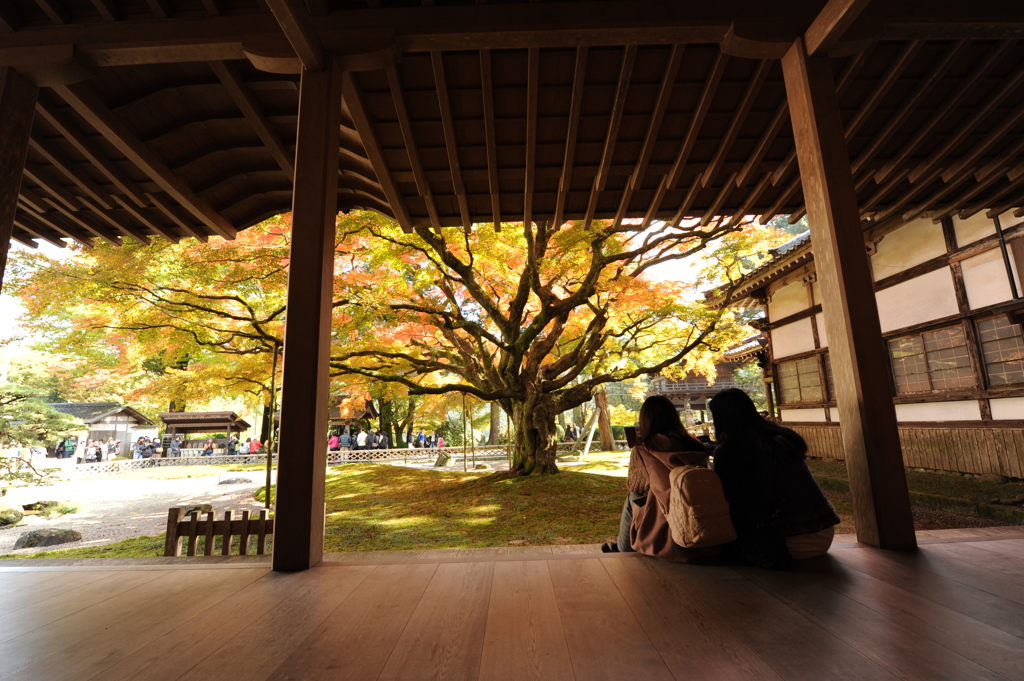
x=777, y=508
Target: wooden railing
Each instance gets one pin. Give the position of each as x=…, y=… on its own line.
x=180, y=529
x=974, y=450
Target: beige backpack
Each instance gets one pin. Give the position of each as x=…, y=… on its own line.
x=698, y=513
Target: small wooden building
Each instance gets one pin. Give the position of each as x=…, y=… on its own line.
x=106, y=420
x=947, y=292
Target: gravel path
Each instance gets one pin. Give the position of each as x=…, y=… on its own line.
x=117, y=507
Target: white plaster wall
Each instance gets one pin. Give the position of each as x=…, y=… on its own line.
x=789, y=299
x=985, y=279
x=1007, y=220
x=921, y=299
x=1007, y=408
x=912, y=244
x=815, y=415
x=973, y=228
x=816, y=291
x=792, y=338
x=822, y=334
x=834, y=411
x=967, y=410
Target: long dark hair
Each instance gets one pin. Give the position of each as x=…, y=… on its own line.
x=658, y=416
x=737, y=423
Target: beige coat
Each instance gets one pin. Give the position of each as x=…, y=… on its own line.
x=650, y=533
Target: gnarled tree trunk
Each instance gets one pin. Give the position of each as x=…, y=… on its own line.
x=494, y=436
x=604, y=421
x=535, y=437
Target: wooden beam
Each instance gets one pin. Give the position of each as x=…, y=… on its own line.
x=1005, y=158
x=353, y=99
x=532, y=91
x=739, y=116
x=10, y=19
x=752, y=198
x=213, y=7
x=107, y=9
x=612, y=136
x=881, y=87
x=422, y=186
x=930, y=80
x=867, y=414
x=51, y=187
x=668, y=80
x=930, y=204
x=688, y=200
x=17, y=104
x=153, y=225
x=781, y=201
x=949, y=104
x=299, y=530
x=247, y=103
x=79, y=218
x=490, y=136
x=26, y=226
x=25, y=241
x=700, y=111
x=170, y=210
x=34, y=200
x=720, y=199
x=128, y=230
x=55, y=225
x=980, y=148
x=569, y=158
x=61, y=163
x=830, y=25
x=88, y=149
x=294, y=21
x=771, y=132
x=161, y=8
x=96, y=114
x=452, y=144
x=54, y=11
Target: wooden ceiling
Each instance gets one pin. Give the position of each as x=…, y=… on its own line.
x=177, y=117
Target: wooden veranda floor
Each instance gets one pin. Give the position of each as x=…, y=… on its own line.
x=953, y=610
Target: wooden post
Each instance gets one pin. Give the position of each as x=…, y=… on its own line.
x=867, y=416
x=172, y=542
x=299, y=537
x=17, y=108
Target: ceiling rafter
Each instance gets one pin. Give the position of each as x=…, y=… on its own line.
x=127, y=142
x=294, y=20
x=422, y=186
x=161, y=8
x=830, y=25
x=55, y=225
x=26, y=226
x=55, y=11
x=452, y=144
x=783, y=199
x=51, y=187
x=575, y=106
x=688, y=200
x=107, y=9
x=959, y=202
x=611, y=138
x=982, y=147
x=10, y=19
x=352, y=98
x=490, y=136
x=153, y=225
x=668, y=81
x=532, y=91
x=1003, y=159
x=213, y=8
x=170, y=210
x=127, y=229
x=771, y=132
x=250, y=107
x=911, y=104
x=61, y=163
x=882, y=87
x=739, y=117
x=752, y=197
x=720, y=199
x=80, y=219
x=32, y=199
x=949, y=103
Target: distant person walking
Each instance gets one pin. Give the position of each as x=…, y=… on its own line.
x=421, y=440
x=382, y=440
x=345, y=441
x=254, y=445
x=333, y=443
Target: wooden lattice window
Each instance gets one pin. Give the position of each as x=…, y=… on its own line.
x=1002, y=346
x=800, y=381
x=933, y=360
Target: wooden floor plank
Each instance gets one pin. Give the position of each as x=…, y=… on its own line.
x=66, y=604
x=909, y=574
x=524, y=640
x=263, y=645
x=605, y=641
x=190, y=594
x=692, y=640
x=797, y=648
x=58, y=583
x=15, y=581
x=987, y=646
x=1010, y=549
x=444, y=637
x=980, y=556
x=899, y=649
x=355, y=641
x=173, y=654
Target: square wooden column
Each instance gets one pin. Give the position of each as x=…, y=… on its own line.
x=867, y=415
x=17, y=108
x=299, y=521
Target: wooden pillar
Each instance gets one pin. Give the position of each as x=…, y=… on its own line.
x=867, y=415
x=299, y=523
x=17, y=108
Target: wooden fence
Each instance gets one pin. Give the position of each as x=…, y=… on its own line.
x=963, y=450
x=181, y=527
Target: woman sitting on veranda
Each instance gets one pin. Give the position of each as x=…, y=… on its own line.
x=776, y=507
x=662, y=444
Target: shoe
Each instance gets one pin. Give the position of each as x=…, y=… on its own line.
x=609, y=547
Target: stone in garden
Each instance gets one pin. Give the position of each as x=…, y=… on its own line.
x=235, y=481
x=482, y=467
x=198, y=508
x=10, y=516
x=993, y=478
x=442, y=460
x=40, y=505
x=46, y=537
